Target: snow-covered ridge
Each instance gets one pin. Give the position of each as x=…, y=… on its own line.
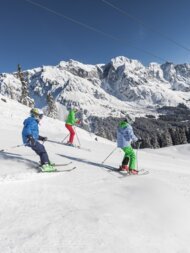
x=114, y=89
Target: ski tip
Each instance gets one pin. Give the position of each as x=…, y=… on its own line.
x=65, y=170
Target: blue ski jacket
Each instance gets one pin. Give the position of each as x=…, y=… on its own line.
x=125, y=136
x=30, y=128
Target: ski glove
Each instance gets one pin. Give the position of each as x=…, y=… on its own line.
x=41, y=138
x=30, y=140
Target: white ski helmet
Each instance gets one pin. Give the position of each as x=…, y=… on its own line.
x=75, y=108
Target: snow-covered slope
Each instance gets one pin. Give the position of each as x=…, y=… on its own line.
x=114, y=89
x=89, y=209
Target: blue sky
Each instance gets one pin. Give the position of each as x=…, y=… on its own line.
x=33, y=36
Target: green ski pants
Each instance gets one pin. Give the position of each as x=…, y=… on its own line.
x=130, y=153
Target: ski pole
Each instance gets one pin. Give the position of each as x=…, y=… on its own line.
x=17, y=146
x=138, y=146
x=77, y=137
x=109, y=155
x=65, y=138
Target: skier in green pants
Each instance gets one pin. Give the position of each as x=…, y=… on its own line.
x=125, y=136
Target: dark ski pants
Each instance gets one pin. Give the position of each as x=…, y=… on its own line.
x=40, y=150
x=125, y=161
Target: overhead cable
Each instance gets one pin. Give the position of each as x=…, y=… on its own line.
x=146, y=26
x=94, y=29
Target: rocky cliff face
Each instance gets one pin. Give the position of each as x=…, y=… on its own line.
x=177, y=75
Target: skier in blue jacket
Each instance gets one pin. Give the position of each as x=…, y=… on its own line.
x=125, y=136
x=31, y=137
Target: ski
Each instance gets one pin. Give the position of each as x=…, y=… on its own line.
x=141, y=172
x=58, y=170
x=66, y=170
x=86, y=149
x=56, y=165
x=74, y=146
x=61, y=164
x=126, y=173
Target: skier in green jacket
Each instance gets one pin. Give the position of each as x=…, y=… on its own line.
x=70, y=122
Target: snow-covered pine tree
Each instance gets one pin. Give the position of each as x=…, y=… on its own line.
x=24, y=99
x=52, y=109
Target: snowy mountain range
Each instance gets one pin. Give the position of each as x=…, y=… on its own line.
x=114, y=89
x=103, y=91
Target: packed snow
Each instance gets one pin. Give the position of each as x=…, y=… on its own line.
x=90, y=209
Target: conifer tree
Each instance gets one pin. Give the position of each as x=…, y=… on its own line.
x=52, y=109
x=24, y=99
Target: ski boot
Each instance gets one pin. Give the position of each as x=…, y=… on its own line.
x=70, y=144
x=124, y=168
x=48, y=168
x=52, y=164
x=133, y=172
